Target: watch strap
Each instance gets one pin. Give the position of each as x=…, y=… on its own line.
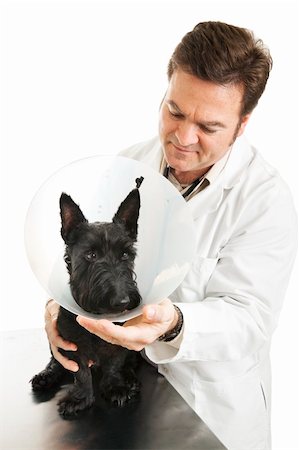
x=174, y=332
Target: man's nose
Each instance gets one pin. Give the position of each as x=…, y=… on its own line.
x=186, y=134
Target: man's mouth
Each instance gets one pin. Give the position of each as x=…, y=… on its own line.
x=183, y=149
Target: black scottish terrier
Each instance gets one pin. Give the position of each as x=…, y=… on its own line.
x=100, y=261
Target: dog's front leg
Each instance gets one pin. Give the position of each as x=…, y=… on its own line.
x=119, y=383
x=79, y=396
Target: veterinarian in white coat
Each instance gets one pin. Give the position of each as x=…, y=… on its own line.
x=215, y=348
x=231, y=297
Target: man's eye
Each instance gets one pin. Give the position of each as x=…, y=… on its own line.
x=208, y=130
x=91, y=255
x=176, y=115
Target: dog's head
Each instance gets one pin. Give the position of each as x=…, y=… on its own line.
x=100, y=256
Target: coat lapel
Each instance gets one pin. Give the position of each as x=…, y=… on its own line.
x=210, y=198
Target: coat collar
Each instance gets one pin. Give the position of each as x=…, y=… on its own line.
x=239, y=159
x=240, y=156
x=209, y=199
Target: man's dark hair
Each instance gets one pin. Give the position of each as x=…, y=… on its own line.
x=225, y=54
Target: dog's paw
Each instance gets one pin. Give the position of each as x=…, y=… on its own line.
x=70, y=407
x=44, y=380
x=120, y=395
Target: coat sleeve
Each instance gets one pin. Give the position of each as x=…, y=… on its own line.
x=244, y=293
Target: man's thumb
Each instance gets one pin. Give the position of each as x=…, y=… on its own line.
x=156, y=313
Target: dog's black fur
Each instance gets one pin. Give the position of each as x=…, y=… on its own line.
x=100, y=261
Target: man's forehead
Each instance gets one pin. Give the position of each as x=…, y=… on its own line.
x=187, y=93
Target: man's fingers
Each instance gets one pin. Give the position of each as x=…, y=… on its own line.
x=133, y=337
x=65, y=345
x=128, y=337
x=54, y=338
x=65, y=362
x=102, y=328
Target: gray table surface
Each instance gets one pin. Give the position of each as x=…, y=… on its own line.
x=160, y=419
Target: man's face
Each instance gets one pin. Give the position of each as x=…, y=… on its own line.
x=199, y=120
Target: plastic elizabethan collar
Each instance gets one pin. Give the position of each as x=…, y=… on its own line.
x=166, y=234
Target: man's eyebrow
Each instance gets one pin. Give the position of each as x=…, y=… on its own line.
x=205, y=123
x=175, y=106
x=212, y=124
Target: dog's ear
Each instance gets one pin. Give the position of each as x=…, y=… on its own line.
x=71, y=215
x=128, y=213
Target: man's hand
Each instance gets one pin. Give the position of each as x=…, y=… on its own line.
x=56, y=341
x=136, y=333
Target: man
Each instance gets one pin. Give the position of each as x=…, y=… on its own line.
x=213, y=346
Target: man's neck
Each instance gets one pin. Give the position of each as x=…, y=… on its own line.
x=188, y=177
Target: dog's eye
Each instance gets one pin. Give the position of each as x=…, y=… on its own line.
x=91, y=255
x=124, y=256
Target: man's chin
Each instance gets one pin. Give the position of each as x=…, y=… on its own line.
x=182, y=162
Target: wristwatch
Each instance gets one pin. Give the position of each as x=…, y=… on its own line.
x=171, y=334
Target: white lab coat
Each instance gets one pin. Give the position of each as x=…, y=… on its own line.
x=231, y=297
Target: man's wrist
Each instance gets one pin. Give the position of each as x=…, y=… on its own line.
x=175, y=331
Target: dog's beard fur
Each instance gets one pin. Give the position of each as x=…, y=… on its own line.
x=101, y=291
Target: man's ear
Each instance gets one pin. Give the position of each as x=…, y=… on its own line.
x=243, y=123
x=128, y=213
x=71, y=216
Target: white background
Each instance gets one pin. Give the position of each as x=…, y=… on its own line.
x=81, y=78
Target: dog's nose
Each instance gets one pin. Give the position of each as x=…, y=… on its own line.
x=125, y=301
x=121, y=303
